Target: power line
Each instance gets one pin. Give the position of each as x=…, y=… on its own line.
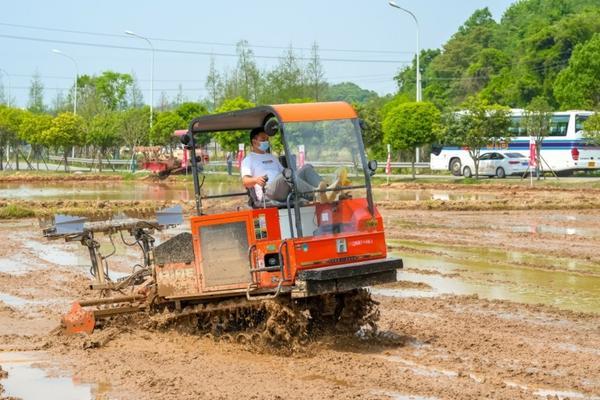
x=191, y=52
x=187, y=41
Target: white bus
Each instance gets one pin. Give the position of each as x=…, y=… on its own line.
x=564, y=150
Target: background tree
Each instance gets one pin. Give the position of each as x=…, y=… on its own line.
x=537, y=121
x=349, y=92
x=166, y=123
x=510, y=62
x=103, y=134
x=3, y=96
x=578, y=85
x=592, y=128
x=315, y=75
x=214, y=85
x=286, y=81
x=135, y=128
x=180, y=98
x=134, y=96
x=33, y=130
x=410, y=126
x=59, y=104
x=476, y=127
x=107, y=92
x=249, y=77
x=188, y=111
x=229, y=140
x=370, y=114
x=10, y=120
x=35, y=103
x=65, y=132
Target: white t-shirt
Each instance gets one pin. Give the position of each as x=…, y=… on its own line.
x=255, y=164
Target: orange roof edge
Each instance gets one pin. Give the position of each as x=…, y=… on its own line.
x=303, y=112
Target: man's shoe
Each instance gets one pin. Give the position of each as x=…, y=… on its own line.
x=322, y=196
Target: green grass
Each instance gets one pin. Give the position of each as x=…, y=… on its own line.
x=13, y=211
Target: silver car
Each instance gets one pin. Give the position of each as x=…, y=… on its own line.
x=498, y=164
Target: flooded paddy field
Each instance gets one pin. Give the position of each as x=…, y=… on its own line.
x=169, y=191
x=501, y=304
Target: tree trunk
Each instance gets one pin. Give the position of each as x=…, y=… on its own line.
x=412, y=163
x=66, y=155
x=476, y=169
x=1, y=158
x=538, y=160
x=99, y=161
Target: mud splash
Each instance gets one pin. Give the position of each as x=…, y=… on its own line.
x=282, y=325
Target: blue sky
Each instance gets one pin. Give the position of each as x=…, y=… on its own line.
x=381, y=34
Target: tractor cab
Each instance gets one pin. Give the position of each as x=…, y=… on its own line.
x=324, y=136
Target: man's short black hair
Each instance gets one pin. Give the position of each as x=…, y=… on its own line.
x=254, y=132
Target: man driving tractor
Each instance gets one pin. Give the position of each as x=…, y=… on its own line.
x=262, y=171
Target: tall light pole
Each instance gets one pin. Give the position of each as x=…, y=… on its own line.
x=8, y=78
x=60, y=53
x=130, y=33
x=393, y=4
x=419, y=98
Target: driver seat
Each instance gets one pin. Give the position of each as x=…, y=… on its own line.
x=254, y=202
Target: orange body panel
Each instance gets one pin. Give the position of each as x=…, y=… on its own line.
x=359, y=237
x=305, y=112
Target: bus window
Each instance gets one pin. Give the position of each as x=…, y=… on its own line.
x=516, y=128
x=559, y=125
x=579, y=121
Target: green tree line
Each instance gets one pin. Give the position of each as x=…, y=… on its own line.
x=541, y=52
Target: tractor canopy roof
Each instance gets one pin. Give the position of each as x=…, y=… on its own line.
x=256, y=117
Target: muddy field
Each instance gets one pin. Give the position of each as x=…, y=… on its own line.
x=500, y=301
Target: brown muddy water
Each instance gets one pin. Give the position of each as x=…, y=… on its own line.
x=28, y=378
x=136, y=190
x=496, y=274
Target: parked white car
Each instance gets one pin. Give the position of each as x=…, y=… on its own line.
x=498, y=164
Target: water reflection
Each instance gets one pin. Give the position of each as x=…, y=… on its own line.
x=501, y=276
x=387, y=194
x=144, y=190
x=27, y=381
x=128, y=190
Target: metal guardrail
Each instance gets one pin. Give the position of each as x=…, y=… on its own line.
x=89, y=160
x=127, y=162
x=346, y=164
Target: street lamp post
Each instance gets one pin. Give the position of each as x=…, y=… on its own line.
x=130, y=33
x=60, y=53
x=393, y=4
x=7, y=78
x=418, y=96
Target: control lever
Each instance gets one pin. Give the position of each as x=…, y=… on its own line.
x=264, y=189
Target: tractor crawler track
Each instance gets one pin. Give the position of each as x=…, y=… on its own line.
x=281, y=323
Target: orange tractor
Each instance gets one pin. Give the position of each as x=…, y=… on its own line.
x=296, y=263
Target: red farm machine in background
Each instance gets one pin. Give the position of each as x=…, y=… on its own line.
x=163, y=162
